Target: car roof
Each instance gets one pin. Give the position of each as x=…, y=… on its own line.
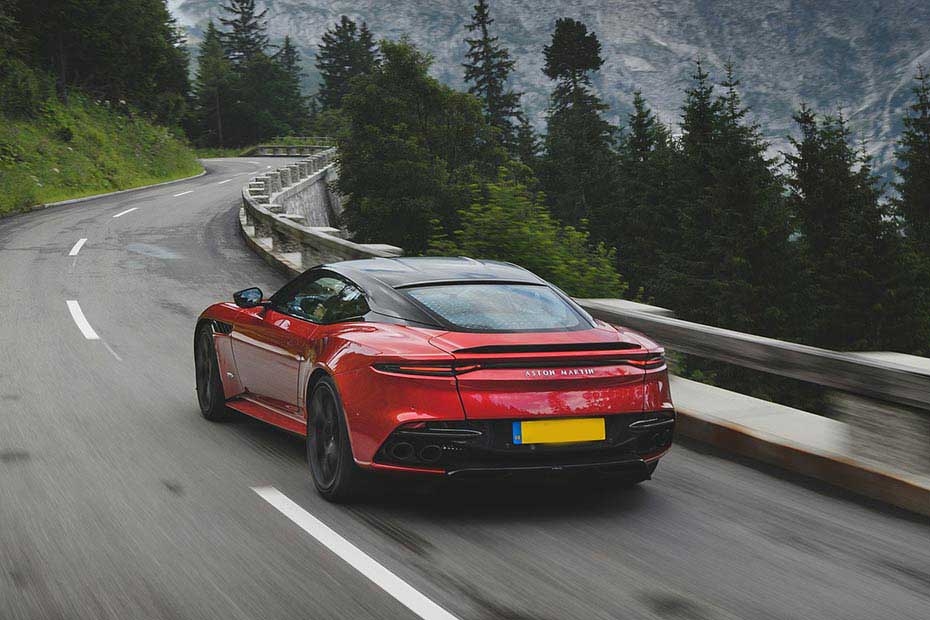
x=381, y=278
x=410, y=271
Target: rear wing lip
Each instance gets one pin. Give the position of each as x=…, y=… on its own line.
x=571, y=347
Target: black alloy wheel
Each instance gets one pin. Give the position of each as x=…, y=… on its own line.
x=210, y=393
x=335, y=475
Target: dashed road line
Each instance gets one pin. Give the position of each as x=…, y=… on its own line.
x=112, y=352
x=77, y=247
x=226, y=181
x=411, y=598
x=122, y=213
x=78, y=315
x=190, y=191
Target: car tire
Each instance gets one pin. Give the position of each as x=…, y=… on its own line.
x=329, y=453
x=210, y=394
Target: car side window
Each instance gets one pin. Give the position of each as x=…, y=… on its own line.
x=325, y=298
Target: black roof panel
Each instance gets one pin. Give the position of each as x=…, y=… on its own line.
x=407, y=271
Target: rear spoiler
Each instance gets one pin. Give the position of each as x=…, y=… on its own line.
x=551, y=348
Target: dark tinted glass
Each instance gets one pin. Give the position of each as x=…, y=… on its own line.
x=321, y=299
x=499, y=307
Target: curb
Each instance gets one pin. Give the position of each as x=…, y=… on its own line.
x=71, y=201
x=893, y=487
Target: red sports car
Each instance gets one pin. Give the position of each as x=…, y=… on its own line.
x=443, y=366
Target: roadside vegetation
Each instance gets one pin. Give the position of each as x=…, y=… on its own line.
x=81, y=114
x=82, y=148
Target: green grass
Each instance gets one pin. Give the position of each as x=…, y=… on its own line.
x=84, y=148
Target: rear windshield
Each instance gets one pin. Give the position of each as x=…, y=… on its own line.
x=499, y=307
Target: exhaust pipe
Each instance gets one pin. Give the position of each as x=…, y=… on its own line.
x=402, y=451
x=430, y=453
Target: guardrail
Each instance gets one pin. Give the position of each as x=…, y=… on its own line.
x=280, y=237
x=292, y=146
x=882, y=380
x=321, y=140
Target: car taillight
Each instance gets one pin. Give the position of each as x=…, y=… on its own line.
x=427, y=370
x=647, y=362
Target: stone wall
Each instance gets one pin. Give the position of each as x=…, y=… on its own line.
x=289, y=216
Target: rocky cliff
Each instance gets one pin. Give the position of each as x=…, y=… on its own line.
x=854, y=55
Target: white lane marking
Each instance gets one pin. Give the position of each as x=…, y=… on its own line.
x=77, y=247
x=112, y=352
x=268, y=166
x=355, y=557
x=190, y=191
x=257, y=163
x=226, y=181
x=81, y=320
x=122, y=213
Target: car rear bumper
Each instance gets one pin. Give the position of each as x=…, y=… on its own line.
x=634, y=467
x=485, y=448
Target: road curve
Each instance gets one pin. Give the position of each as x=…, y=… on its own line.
x=117, y=500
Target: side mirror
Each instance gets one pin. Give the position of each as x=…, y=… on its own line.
x=248, y=298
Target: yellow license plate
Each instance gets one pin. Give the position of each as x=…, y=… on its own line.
x=569, y=430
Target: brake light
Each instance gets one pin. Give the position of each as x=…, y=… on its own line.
x=427, y=370
x=647, y=362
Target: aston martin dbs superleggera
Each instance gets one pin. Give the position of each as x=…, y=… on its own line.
x=442, y=366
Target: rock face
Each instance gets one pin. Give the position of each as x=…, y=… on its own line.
x=854, y=55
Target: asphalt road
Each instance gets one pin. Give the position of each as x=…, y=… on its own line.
x=117, y=500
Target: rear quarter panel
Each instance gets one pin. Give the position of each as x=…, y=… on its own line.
x=376, y=402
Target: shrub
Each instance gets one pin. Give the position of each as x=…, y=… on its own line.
x=510, y=223
x=21, y=90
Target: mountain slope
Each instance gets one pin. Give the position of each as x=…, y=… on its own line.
x=854, y=55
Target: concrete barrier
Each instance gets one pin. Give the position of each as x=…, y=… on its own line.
x=886, y=379
x=287, y=217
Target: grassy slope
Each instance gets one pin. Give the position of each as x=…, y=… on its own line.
x=84, y=148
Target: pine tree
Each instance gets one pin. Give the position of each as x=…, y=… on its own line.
x=411, y=154
x=700, y=116
x=578, y=168
x=570, y=58
x=212, y=88
x=247, y=37
x=711, y=237
x=289, y=58
x=528, y=147
x=8, y=28
x=913, y=166
x=644, y=216
x=366, y=51
x=21, y=92
x=346, y=51
x=487, y=71
x=851, y=252
x=292, y=99
x=119, y=50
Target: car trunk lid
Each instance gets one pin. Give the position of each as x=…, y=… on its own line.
x=537, y=375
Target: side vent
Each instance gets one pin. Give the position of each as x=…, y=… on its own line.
x=222, y=328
